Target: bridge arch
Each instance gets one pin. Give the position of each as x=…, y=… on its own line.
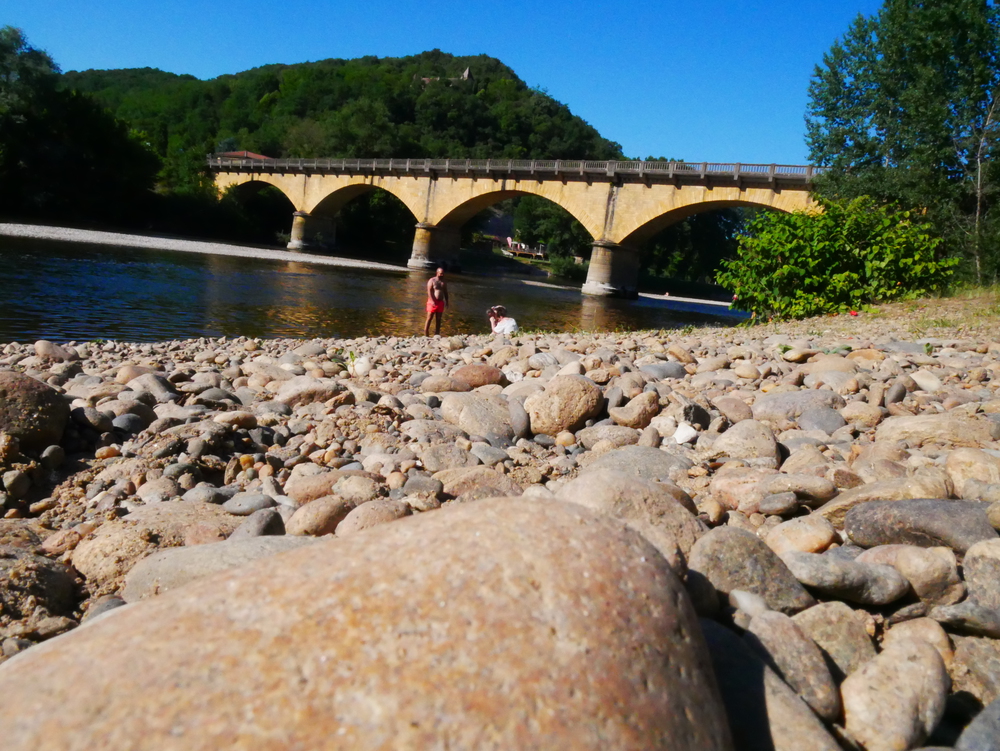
x=643, y=234
x=484, y=194
x=285, y=183
x=639, y=217
x=619, y=203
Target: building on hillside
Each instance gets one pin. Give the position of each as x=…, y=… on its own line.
x=466, y=76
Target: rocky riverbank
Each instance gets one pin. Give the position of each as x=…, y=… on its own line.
x=773, y=537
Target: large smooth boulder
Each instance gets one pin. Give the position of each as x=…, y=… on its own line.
x=371, y=514
x=565, y=404
x=306, y=390
x=308, y=487
x=503, y=624
x=664, y=370
x=319, y=517
x=483, y=480
x=439, y=384
x=946, y=428
x=51, y=351
x=480, y=375
x=640, y=461
x=749, y=440
x=790, y=404
x=31, y=411
x=175, y=567
x=661, y=512
x=478, y=414
x=638, y=412
x=111, y=552
x=616, y=435
x=808, y=534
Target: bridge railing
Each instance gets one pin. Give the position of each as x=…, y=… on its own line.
x=555, y=168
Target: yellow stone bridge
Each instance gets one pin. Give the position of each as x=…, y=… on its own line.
x=621, y=204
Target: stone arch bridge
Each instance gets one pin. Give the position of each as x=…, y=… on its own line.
x=621, y=204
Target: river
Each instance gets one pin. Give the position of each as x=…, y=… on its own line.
x=80, y=292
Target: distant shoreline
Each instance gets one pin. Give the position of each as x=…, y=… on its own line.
x=124, y=240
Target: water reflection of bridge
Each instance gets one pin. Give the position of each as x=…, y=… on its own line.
x=621, y=204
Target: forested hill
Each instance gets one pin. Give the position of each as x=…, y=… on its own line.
x=417, y=106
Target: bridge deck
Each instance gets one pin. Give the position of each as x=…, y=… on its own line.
x=633, y=171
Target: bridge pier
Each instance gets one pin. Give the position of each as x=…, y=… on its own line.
x=433, y=246
x=613, y=272
x=310, y=231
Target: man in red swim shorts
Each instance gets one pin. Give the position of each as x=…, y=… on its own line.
x=437, y=301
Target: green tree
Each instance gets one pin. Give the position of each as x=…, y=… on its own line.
x=852, y=253
x=903, y=108
x=538, y=221
x=417, y=106
x=62, y=156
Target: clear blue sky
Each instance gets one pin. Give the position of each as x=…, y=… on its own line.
x=718, y=80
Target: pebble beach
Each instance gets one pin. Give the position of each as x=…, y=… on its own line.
x=778, y=536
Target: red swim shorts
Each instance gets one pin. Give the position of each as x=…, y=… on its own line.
x=435, y=306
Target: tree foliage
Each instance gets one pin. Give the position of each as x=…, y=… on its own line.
x=416, y=106
x=62, y=156
x=852, y=253
x=904, y=108
x=539, y=221
x=694, y=248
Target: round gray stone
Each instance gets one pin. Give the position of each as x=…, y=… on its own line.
x=663, y=370
x=732, y=558
x=790, y=404
x=129, y=423
x=821, y=418
x=983, y=733
x=925, y=522
x=244, y=504
x=261, y=523
x=863, y=583
x=641, y=461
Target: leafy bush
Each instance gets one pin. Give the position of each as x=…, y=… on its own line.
x=850, y=254
x=567, y=268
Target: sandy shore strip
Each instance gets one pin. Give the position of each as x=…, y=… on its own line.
x=119, y=239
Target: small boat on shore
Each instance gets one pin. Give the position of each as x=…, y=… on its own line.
x=692, y=305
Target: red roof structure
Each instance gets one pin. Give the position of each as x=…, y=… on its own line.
x=242, y=155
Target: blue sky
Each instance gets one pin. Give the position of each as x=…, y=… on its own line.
x=704, y=80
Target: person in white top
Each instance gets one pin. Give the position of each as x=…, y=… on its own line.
x=499, y=321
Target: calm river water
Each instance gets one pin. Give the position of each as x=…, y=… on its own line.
x=72, y=291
